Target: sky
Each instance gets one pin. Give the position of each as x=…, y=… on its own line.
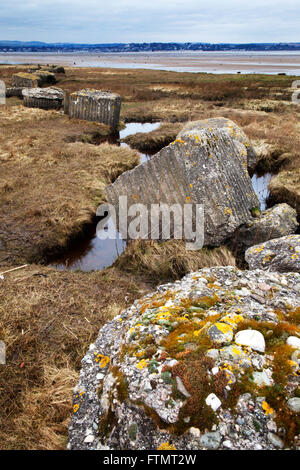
x=108, y=21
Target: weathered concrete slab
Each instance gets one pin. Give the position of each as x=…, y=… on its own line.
x=231, y=129
x=204, y=166
x=94, y=105
x=44, y=98
x=45, y=77
x=25, y=80
x=281, y=255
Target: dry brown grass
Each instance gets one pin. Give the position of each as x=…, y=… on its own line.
x=154, y=141
x=170, y=260
x=48, y=319
x=50, y=188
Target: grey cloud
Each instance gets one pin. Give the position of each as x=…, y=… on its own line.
x=91, y=21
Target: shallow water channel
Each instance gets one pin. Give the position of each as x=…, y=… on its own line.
x=96, y=254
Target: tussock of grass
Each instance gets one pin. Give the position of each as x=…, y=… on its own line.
x=170, y=260
x=154, y=141
x=48, y=320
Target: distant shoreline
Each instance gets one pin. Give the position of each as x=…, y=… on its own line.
x=182, y=61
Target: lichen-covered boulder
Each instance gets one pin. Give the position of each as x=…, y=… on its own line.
x=231, y=129
x=204, y=166
x=276, y=222
x=281, y=254
x=156, y=378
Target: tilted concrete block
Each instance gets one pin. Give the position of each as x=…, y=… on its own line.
x=205, y=165
x=94, y=105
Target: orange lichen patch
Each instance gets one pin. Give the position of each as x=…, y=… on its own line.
x=204, y=302
x=211, y=285
x=166, y=446
x=103, y=360
x=294, y=316
x=267, y=408
x=155, y=301
x=75, y=408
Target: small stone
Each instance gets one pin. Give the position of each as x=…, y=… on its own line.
x=294, y=404
x=215, y=370
x=181, y=388
x=272, y=426
x=264, y=287
x=263, y=379
x=211, y=440
x=243, y=292
x=296, y=356
x=294, y=342
x=227, y=444
x=90, y=438
x=252, y=338
x=195, y=432
x=213, y=401
x=275, y=440
x=213, y=353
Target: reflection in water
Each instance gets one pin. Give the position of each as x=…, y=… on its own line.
x=260, y=185
x=135, y=127
x=91, y=254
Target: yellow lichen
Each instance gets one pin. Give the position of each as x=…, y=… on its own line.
x=166, y=446
x=267, y=409
x=142, y=364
